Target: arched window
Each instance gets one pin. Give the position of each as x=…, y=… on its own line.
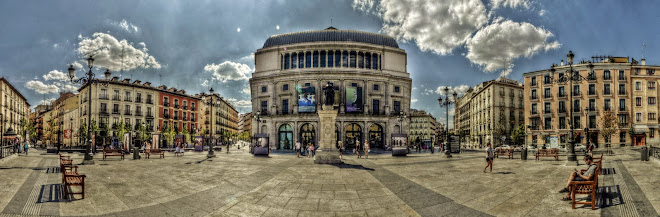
x=322, y=60
x=286, y=61
x=307, y=134
x=337, y=58
x=353, y=134
x=360, y=60
x=294, y=60
x=308, y=59
x=374, y=61
x=344, y=59
x=315, y=60
x=376, y=136
x=285, y=137
x=367, y=60
x=331, y=59
x=352, y=59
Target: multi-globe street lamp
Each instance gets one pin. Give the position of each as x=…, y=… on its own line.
x=211, y=104
x=570, y=76
x=89, y=157
x=446, y=102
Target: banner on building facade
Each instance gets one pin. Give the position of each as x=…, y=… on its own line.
x=67, y=134
x=354, y=99
x=306, y=99
x=155, y=141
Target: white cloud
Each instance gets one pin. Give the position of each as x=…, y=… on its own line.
x=125, y=25
x=542, y=12
x=427, y=92
x=229, y=71
x=460, y=89
x=56, y=45
x=240, y=103
x=438, y=26
x=47, y=101
x=77, y=65
x=205, y=83
x=509, y=3
x=56, y=75
x=41, y=88
x=246, y=90
x=248, y=57
x=107, y=52
x=66, y=87
x=496, y=44
x=413, y=100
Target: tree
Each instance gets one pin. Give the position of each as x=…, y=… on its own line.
x=104, y=127
x=608, y=125
x=23, y=125
x=186, y=134
x=143, y=134
x=121, y=130
x=518, y=135
x=169, y=133
x=82, y=131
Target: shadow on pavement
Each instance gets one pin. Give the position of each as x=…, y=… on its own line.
x=352, y=166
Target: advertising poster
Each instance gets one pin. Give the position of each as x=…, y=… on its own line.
x=554, y=142
x=306, y=99
x=67, y=134
x=353, y=99
x=127, y=141
x=155, y=138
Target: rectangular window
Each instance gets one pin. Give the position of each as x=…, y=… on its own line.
x=116, y=95
x=285, y=87
x=637, y=71
x=652, y=116
x=650, y=71
x=562, y=106
x=397, y=89
x=315, y=59
x=308, y=85
x=592, y=89
x=547, y=123
x=534, y=96
x=562, y=122
x=576, y=105
x=285, y=106
x=622, y=104
x=623, y=120
x=264, y=107
x=308, y=60
x=638, y=101
x=638, y=85
x=651, y=132
x=651, y=100
x=606, y=75
x=546, y=79
x=651, y=85
x=376, y=106
x=562, y=91
x=264, y=88
x=337, y=58
x=352, y=59
x=622, y=89
x=533, y=81
x=127, y=97
x=592, y=104
x=547, y=109
x=286, y=61
x=622, y=75
x=592, y=121
x=115, y=109
x=360, y=60
x=397, y=107
x=294, y=60
x=344, y=59
x=376, y=87
x=546, y=93
x=331, y=59
x=534, y=109
x=576, y=90
x=607, y=104
x=322, y=59
x=606, y=89
x=622, y=137
x=576, y=122
x=638, y=117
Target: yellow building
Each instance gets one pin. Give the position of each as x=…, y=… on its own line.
x=15, y=108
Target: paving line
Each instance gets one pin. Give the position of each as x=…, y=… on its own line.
x=628, y=208
x=31, y=206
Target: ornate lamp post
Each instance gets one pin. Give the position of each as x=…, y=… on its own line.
x=211, y=153
x=71, y=132
x=402, y=116
x=570, y=77
x=89, y=157
x=446, y=102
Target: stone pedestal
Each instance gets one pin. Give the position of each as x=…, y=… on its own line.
x=327, y=153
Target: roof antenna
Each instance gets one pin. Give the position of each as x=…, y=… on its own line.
x=330, y=21
x=643, y=47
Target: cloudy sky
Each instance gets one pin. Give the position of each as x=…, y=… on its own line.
x=194, y=45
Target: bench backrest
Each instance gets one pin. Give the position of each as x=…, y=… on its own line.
x=111, y=150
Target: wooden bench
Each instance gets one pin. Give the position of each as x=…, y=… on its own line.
x=547, y=153
x=70, y=180
x=113, y=152
x=586, y=187
x=149, y=152
x=504, y=151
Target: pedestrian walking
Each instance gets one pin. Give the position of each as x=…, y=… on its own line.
x=311, y=150
x=489, y=158
x=298, y=149
x=339, y=147
x=366, y=149
x=357, y=149
x=27, y=147
x=590, y=148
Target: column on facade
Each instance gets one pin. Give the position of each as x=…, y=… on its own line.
x=341, y=93
x=295, y=98
x=387, y=98
x=366, y=94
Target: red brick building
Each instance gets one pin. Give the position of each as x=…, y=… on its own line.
x=175, y=107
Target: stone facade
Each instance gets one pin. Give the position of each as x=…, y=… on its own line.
x=225, y=116
x=14, y=107
x=372, y=73
x=423, y=126
x=245, y=123
x=489, y=111
x=644, y=81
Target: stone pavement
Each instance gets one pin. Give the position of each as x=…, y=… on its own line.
x=238, y=184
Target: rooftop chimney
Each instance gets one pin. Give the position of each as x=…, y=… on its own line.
x=643, y=62
x=562, y=63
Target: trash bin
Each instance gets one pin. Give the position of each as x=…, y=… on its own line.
x=523, y=154
x=645, y=154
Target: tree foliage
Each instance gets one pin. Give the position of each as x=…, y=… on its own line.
x=608, y=125
x=169, y=133
x=518, y=135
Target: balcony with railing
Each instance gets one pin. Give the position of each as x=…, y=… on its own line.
x=115, y=111
x=149, y=115
x=176, y=106
x=127, y=112
x=622, y=92
x=127, y=99
x=546, y=96
x=138, y=113
x=104, y=96
x=185, y=107
x=103, y=112
x=116, y=97
x=149, y=101
x=138, y=99
x=166, y=104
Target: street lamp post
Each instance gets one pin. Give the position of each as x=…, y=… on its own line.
x=211, y=153
x=446, y=103
x=572, y=76
x=257, y=118
x=89, y=157
x=402, y=116
x=70, y=131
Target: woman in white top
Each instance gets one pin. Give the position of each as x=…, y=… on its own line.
x=298, y=149
x=489, y=158
x=366, y=148
x=339, y=146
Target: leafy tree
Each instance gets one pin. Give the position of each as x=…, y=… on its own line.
x=518, y=135
x=143, y=133
x=186, y=134
x=169, y=133
x=608, y=125
x=121, y=130
x=23, y=126
x=631, y=133
x=82, y=131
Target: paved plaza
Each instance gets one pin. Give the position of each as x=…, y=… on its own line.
x=238, y=184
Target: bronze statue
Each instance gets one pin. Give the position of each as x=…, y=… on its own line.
x=329, y=91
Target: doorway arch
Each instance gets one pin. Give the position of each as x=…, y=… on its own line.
x=307, y=134
x=285, y=135
x=353, y=134
x=376, y=136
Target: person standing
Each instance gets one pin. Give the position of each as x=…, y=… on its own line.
x=590, y=148
x=366, y=149
x=311, y=150
x=489, y=158
x=27, y=147
x=339, y=147
x=357, y=149
x=298, y=149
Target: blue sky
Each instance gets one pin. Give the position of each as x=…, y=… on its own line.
x=194, y=45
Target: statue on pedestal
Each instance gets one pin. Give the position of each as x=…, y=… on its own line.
x=329, y=91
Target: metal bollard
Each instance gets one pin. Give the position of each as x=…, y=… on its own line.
x=645, y=154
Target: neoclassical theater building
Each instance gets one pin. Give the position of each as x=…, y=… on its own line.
x=367, y=71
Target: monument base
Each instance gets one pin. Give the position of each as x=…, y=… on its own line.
x=327, y=157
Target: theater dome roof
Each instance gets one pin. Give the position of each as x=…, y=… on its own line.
x=330, y=34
